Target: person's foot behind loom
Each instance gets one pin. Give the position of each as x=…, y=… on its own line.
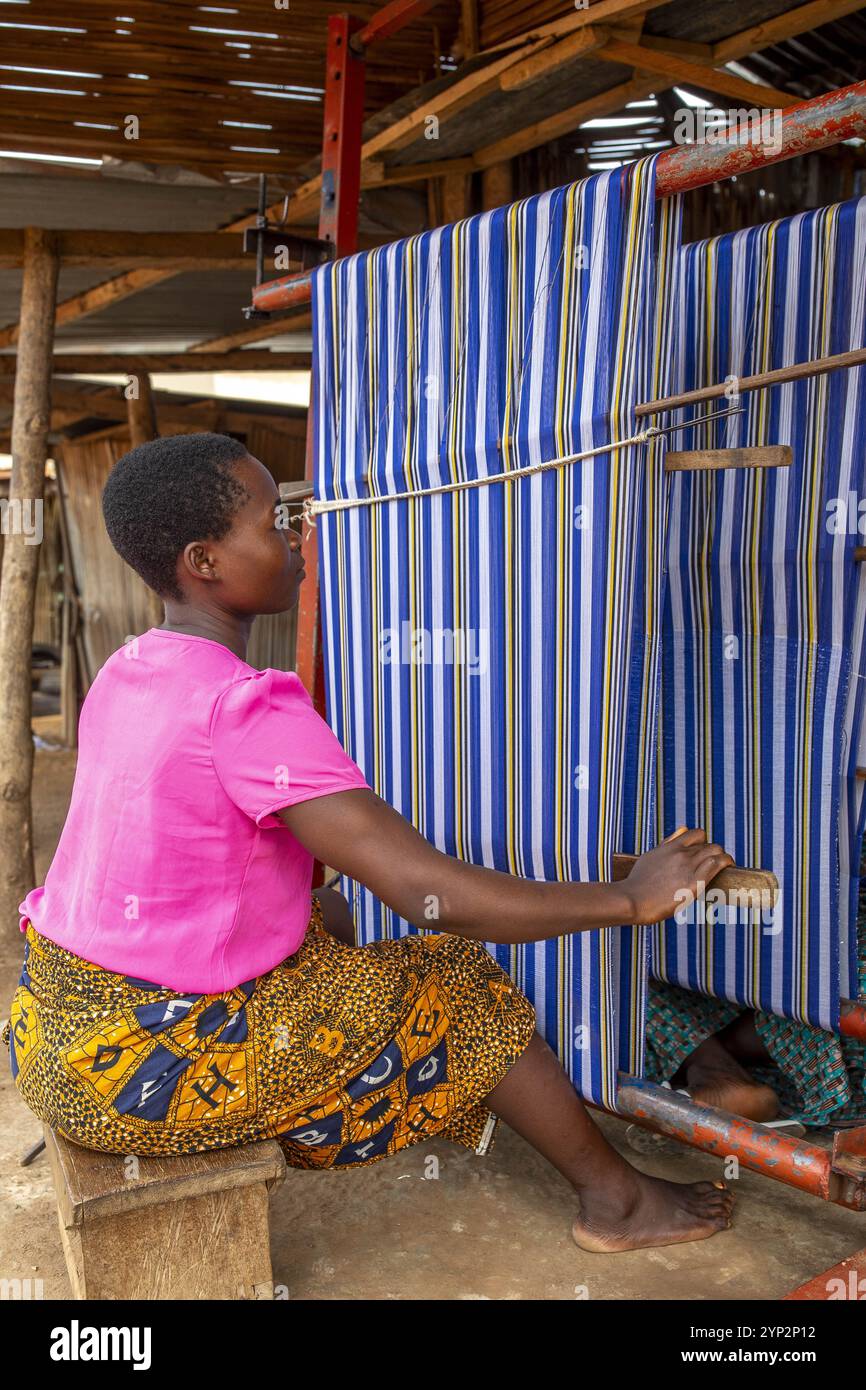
x=715, y=1074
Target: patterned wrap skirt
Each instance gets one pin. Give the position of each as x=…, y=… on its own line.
x=344, y=1054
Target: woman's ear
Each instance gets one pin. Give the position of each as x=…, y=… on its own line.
x=199, y=560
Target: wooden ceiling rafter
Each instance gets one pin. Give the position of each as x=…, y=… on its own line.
x=642, y=82
x=538, y=50
x=256, y=333
x=176, y=251
x=190, y=69
x=109, y=403
x=134, y=363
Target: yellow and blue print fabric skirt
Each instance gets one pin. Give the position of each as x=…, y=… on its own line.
x=344, y=1054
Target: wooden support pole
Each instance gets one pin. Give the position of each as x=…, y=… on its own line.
x=74, y=678
x=140, y=410
x=456, y=197
x=497, y=186
x=761, y=456
x=469, y=27
x=30, y=421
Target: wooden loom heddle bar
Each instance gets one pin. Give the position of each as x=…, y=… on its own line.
x=796, y=371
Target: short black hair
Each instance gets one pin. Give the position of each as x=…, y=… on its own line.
x=166, y=493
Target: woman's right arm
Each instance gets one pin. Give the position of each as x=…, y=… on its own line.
x=358, y=834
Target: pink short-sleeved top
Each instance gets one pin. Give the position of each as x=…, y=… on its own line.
x=172, y=866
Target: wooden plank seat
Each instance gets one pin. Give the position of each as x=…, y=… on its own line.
x=192, y=1227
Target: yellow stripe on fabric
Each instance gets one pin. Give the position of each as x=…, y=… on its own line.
x=410, y=444
x=705, y=497
x=513, y=350
x=515, y=326
x=754, y=506
x=818, y=391
x=614, y=565
x=460, y=761
x=565, y=531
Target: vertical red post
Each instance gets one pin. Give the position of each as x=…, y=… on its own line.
x=338, y=223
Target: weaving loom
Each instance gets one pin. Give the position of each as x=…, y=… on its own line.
x=513, y=337
x=763, y=650
x=493, y=656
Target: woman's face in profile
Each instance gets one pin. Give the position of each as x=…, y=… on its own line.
x=258, y=564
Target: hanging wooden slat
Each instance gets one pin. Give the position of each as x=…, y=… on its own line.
x=763, y=456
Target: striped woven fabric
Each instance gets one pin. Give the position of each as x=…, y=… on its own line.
x=491, y=655
x=763, y=647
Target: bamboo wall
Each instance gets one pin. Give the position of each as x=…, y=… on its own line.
x=274, y=636
x=115, y=603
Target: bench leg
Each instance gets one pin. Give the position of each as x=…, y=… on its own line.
x=213, y=1246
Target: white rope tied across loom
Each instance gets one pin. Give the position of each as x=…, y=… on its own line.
x=312, y=507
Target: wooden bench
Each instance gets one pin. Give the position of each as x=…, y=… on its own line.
x=194, y=1227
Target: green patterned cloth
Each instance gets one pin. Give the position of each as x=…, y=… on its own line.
x=819, y=1078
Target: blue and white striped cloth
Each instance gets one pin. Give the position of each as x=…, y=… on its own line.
x=763, y=651
x=491, y=655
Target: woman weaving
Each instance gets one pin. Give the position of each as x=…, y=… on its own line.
x=182, y=991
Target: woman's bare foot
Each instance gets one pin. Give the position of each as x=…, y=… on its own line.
x=713, y=1077
x=649, y=1212
x=620, y=1208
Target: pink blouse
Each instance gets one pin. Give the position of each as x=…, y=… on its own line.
x=173, y=866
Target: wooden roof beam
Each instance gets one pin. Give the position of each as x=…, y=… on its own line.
x=112, y=363
x=110, y=404
x=552, y=45
x=784, y=26
x=255, y=333
x=562, y=122
x=174, y=251
x=305, y=200
x=680, y=71
x=91, y=301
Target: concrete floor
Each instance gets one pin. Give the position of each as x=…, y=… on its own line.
x=485, y=1228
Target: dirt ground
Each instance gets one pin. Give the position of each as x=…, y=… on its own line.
x=483, y=1228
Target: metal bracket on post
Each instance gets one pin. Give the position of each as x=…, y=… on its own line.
x=270, y=237
x=250, y=312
